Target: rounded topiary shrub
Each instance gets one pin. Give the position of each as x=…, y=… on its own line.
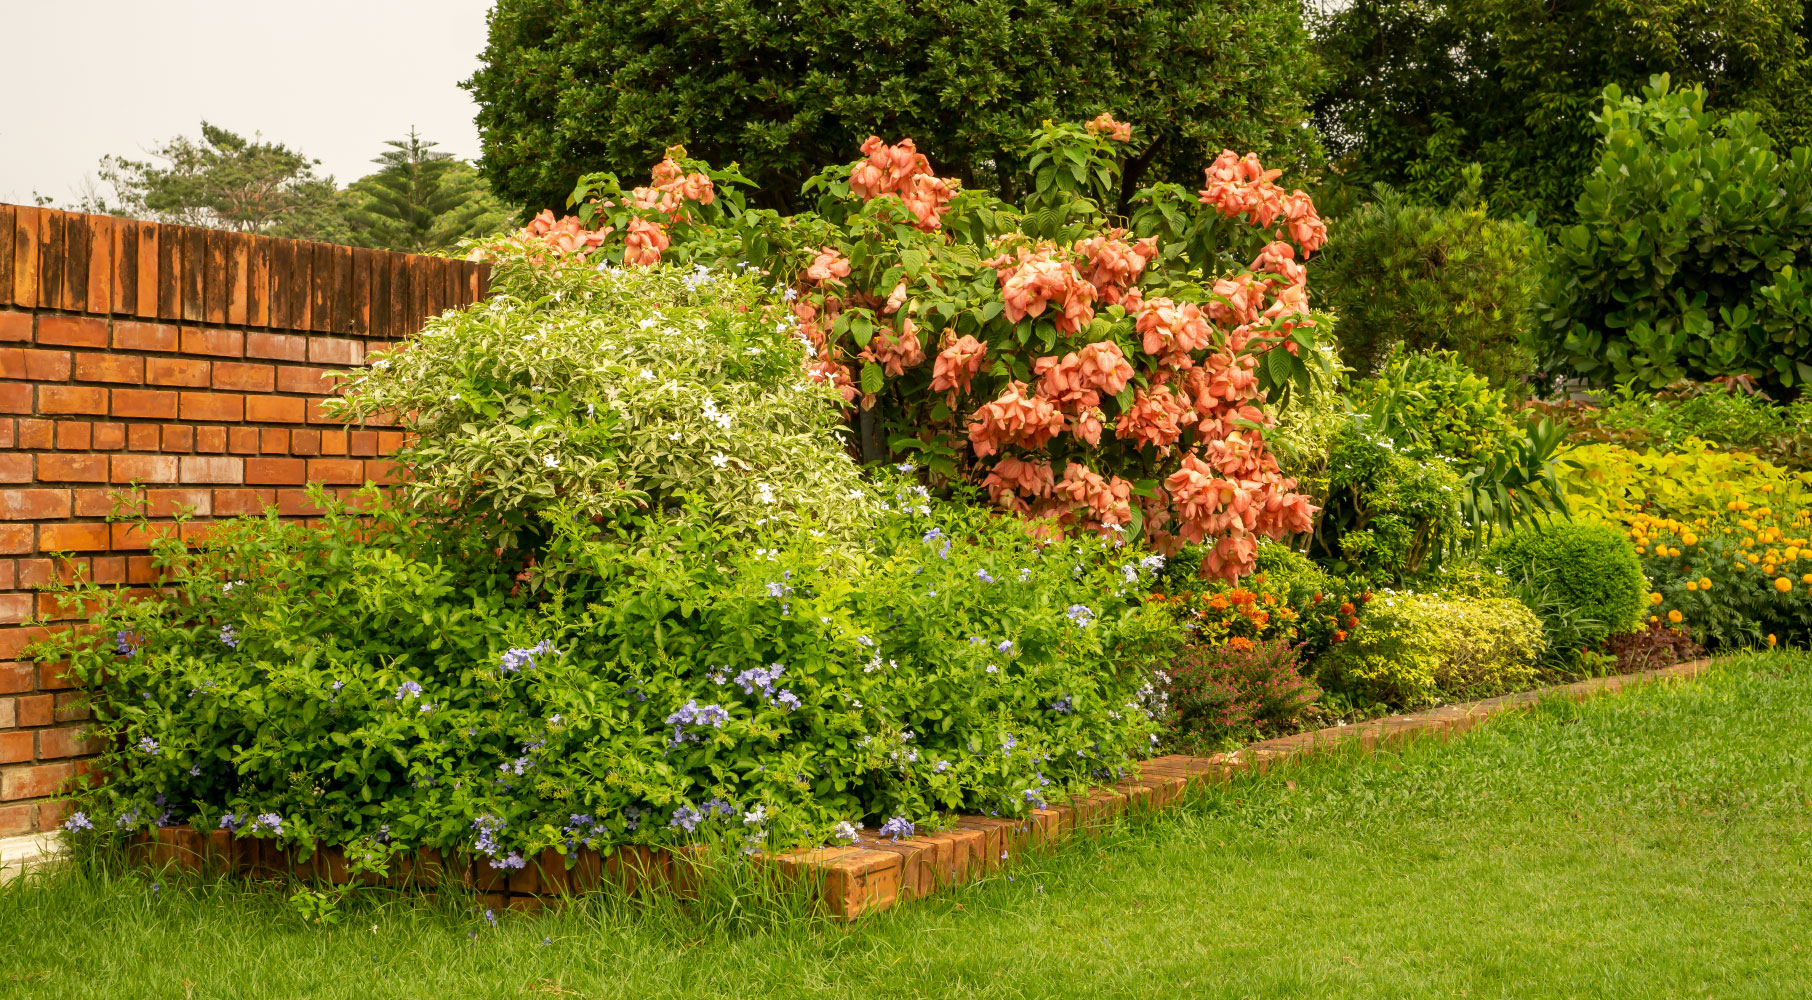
x=1416, y=649
x=1585, y=572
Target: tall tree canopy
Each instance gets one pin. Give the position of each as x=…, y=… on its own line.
x=422, y=200
x=573, y=86
x=1419, y=88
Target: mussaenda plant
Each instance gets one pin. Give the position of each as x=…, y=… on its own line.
x=1098, y=374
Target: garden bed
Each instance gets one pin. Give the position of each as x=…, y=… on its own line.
x=877, y=872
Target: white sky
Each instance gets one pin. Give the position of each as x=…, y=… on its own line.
x=332, y=78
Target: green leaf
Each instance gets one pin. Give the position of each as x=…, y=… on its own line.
x=872, y=378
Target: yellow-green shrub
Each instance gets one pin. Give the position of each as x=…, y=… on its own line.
x=1610, y=483
x=1413, y=649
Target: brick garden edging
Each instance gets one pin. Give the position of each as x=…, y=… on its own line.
x=875, y=873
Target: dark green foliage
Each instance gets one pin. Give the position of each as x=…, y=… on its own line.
x=572, y=86
x=1584, y=578
x=1691, y=256
x=422, y=201
x=1423, y=277
x=1387, y=518
x=1417, y=90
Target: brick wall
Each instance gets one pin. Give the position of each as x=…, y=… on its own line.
x=190, y=361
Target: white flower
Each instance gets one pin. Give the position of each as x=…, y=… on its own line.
x=550, y=461
x=720, y=460
x=645, y=373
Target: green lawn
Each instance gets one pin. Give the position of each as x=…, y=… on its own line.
x=1652, y=844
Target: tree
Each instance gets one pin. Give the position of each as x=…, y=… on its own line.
x=1416, y=89
x=422, y=200
x=224, y=181
x=571, y=86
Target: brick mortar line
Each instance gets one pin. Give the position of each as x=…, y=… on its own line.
x=874, y=875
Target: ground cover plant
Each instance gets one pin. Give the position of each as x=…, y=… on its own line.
x=1649, y=844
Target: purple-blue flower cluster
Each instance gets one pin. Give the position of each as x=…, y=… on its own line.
x=897, y=827
x=763, y=678
x=229, y=636
x=408, y=689
x=694, y=714
x=1080, y=615
x=516, y=660
x=78, y=821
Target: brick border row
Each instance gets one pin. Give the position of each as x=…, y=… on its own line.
x=876, y=873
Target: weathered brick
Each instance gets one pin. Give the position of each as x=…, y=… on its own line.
x=334, y=351
x=315, y=381
x=107, y=570
x=307, y=443
x=35, y=433
x=51, y=815
x=34, y=505
x=381, y=471
x=144, y=468
x=6, y=433
x=143, y=437
x=72, y=468
x=244, y=377
x=109, y=436
x=17, y=677
x=347, y=471
x=72, y=331
x=16, y=326
x=276, y=409
x=38, y=366
x=133, y=336
x=54, y=676
x=17, y=539
x=333, y=442
x=178, y=371
x=88, y=401
x=273, y=441
x=144, y=404
x=138, y=537
x=36, y=710
x=243, y=440
x=233, y=503
x=14, y=608
x=276, y=346
x=74, y=435
x=15, y=468
x=219, y=343
x=15, y=747
x=9, y=712
x=296, y=503
x=179, y=438
x=168, y=503
x=66, y=742
x=15, y=397
x=209, y=469
x=211, y=439
x=83, y=537
x=226, y=407
x=123, y=368
x=34, y=782
x=16, y=820
x=275, y=471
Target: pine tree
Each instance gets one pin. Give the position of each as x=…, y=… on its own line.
x=422, y=200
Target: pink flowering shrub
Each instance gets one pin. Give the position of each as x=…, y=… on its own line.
x=1099, y=373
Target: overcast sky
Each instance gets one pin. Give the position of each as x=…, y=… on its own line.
x=332, y=78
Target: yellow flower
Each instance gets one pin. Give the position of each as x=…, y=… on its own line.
x=1783, y=585
x=1705, y=583
x=1674, y=616
x=1792, y=553
x=1690, y=539
x=1652, y=618
x=1807, y=579
x=1656, y=598
x=1692, y=585
x=1771, y=640
x=1753, y=558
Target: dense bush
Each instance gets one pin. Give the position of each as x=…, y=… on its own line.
x=1418, y=91
x=1429, y=278
x=1690, y=257
x=1737, y=576
x=1222, y=694
x=566, y=87
x=1586, y=574
x=1639, y=418
x=1652, y=647
x=1436, y=408
x=1608, y=483
x=1097, y=378
x=653, y=681
x=1387, y=518
x=1415, y=649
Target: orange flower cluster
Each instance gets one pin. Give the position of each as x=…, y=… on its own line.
x=1013, y=482
x=956, y=365
x=895, y=353
x=566, y=235
x=1018, y=417
x=1114, y=265
x=1234, y=493
x=673, y=187
x=828, y=265
x=901, y=170
x=1242, y=186
x=1104, y=124
x=1173, y=331
x=1097, y=503
x=1035, y=279
x=644, y=242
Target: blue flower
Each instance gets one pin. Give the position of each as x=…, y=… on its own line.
x=510, y=860
x=942, y=766
x=268, y=821
x=408, y=689
x=1062, y=706
x=126, y=643
x=515, y=660
x=231, y=822
x=1080, y=614
x=788, y=699
x=230, y=636
x=982, y=575
x=897, y=827
x=77, y=821
x=1006, y=646
x=148, y=745
x=686, y=818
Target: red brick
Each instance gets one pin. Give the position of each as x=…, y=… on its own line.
x=14, y=640
x=72, y=331
x=333, y=442
x=166, y=503
x=219, y=343
x=212, y=406
x=243, y=440
x=275, y=471
x=67, y=742
x=234, y=503
x=212, y=440
x=39, y=366
x=54, y=676
x=36, y=710
x=276, y=409
x=6, y=433
x=34, y=505
x=16, y=820
x=144, y=404
x=109, y=436
x=244, y=377
x=16, y=326
x=178, y=371
x=315, y=381
x=72, y=537
x=144, y=468
x=14, y=608
x=15, y=397
x=333, y=351
x=140, y=569
x=17, y=677
x=34, y=782
x=389, y=441
x=130, y=336
x=7, y=573
x=9, y=713
x=72, y=468
x=37, y=573
x=296, y=503
x=16, y=539
x=74, y=435
x=273, y=441
x=108, y=569
x=348, y=471
x=15, y=747
x=15, y=468
x=276, y=346
x=305, y=443
x=85, y=400
x=138, y=537
x=52, y=814
x=110, y=368
x=210, y=469
x=317, y=413
x=179, y=437
x=143, y=437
